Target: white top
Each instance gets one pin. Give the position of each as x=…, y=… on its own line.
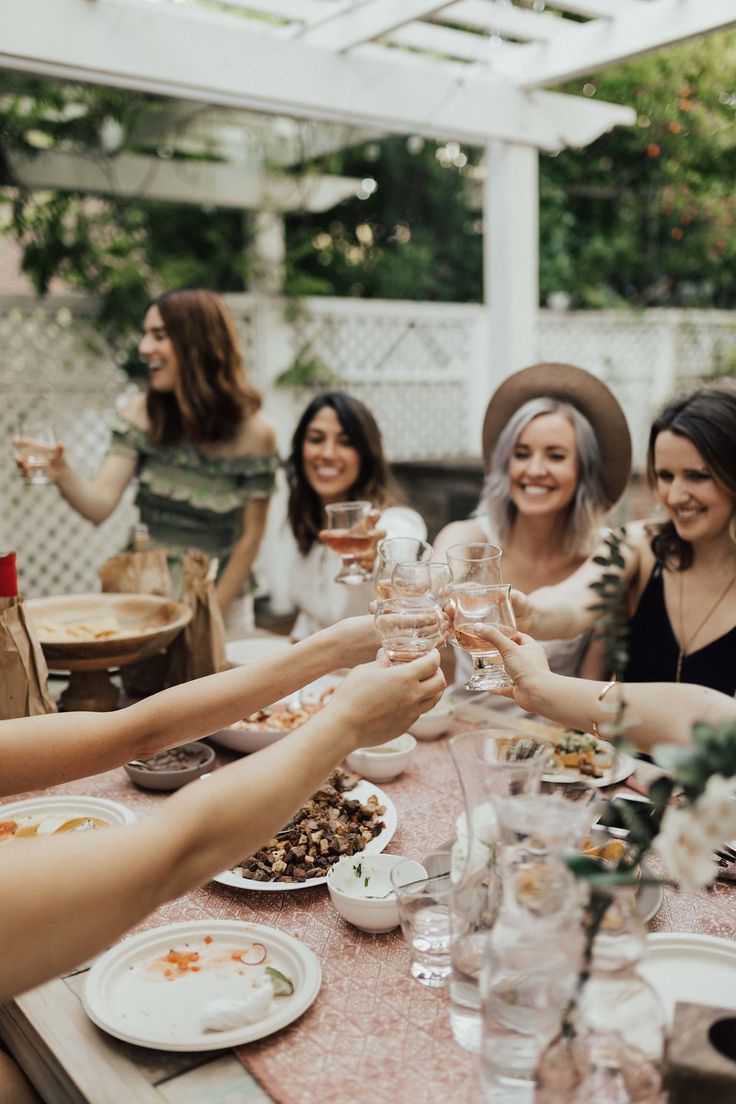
x=321, y=601
x=564, y=656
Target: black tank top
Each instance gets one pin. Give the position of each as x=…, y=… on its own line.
x=653, y=647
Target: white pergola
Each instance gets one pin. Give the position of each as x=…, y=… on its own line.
x=472, y=71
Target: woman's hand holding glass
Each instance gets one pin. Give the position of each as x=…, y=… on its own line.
x=408, y=627
x=36, y=452
x=474, y=607
x=352, y=534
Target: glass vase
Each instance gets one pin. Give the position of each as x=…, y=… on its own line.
x=530, y=970
x=613, y=1046
x=492, y=763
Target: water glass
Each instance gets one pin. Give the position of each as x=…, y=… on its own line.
x=397, y=550
x=349, y=533
x=424, y=914
x=408, y=627
x=36, y=438
x=478, y=604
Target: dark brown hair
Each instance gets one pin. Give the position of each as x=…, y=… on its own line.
x=374, y=483
x=707, y=418
x=212, y=395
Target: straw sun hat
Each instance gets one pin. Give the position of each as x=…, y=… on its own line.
x=582, y=390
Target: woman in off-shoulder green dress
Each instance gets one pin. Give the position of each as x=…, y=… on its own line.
x=203, y=453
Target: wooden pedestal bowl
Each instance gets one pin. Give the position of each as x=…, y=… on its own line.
x=143, y=625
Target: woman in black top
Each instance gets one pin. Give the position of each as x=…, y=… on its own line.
x=680, y=572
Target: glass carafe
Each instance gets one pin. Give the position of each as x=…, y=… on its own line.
x=613, y=1051
x=492, y=763
x=530, y=970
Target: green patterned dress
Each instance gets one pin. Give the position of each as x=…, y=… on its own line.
x=191, y=500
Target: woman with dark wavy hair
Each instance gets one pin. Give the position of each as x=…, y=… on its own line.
x=679, y=573
x=337, y=455
x=203, y=453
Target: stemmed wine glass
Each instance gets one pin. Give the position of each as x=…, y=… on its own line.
x=476, y=604
x=397, y=550
x=349, y=533
x=408, y=627
x=476, y=562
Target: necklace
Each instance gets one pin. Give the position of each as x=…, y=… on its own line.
x=686, y=643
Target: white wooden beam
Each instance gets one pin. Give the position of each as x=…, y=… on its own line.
x=511, y=258
x=601, y=42
x=364, y=21
x=594, y=9
x=433, y=38
x=504, y=19
x=239, y=187
x=189, y=53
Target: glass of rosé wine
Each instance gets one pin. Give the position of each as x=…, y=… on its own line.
x=397, y=550
x=351, y=534
x=408, y=627
x=417, y=580
x=477, y=604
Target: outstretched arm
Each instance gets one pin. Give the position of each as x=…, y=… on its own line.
x=84, y=891
x=42, y=751
x=655, y=712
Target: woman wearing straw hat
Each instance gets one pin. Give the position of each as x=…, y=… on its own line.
x=558, y=456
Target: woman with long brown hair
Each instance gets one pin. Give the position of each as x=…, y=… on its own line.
x=203, y=453
x=336, y=456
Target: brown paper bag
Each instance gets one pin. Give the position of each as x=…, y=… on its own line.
x=200, y=648
x=144, y=572
x=137, y=573
x=24, y=688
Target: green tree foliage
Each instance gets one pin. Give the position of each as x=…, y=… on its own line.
x=646, y=214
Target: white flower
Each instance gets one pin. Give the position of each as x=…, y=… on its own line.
x=686, y=848
x=716, y=809
x=472, y=861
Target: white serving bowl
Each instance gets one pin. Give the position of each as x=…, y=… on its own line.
x=385, y=761
x=434, y=723
x=372, y=907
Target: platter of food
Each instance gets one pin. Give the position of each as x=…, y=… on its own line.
x=201, y=985
x=579, y=756
x=270, y=724
x=345, y=816
x=52, y=816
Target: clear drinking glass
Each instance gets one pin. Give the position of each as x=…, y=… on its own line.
x=34, y=439
x=424, y=913
x=408, y=627
x=397, y=550
x=477, y=604
x=414, y=580
x=475, y=562
x=349, y=534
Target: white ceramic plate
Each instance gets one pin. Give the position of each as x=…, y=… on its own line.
x=242, y=739
x=684, y=966
x=127, y=994
x=361, y=792
x=648, y=897
x=65, y=807
x=623, y=766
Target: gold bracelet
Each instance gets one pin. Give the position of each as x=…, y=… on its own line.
x=601, y=696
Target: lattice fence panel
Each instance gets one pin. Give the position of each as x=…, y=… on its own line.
x=57, y=367
x=411, y=369
x=705, y=346
x=628, y=355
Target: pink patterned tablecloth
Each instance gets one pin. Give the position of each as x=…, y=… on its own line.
x=373, y=1032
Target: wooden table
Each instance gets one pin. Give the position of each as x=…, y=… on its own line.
x=396, y=1032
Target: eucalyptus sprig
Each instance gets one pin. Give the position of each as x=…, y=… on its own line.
x=611, y=593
